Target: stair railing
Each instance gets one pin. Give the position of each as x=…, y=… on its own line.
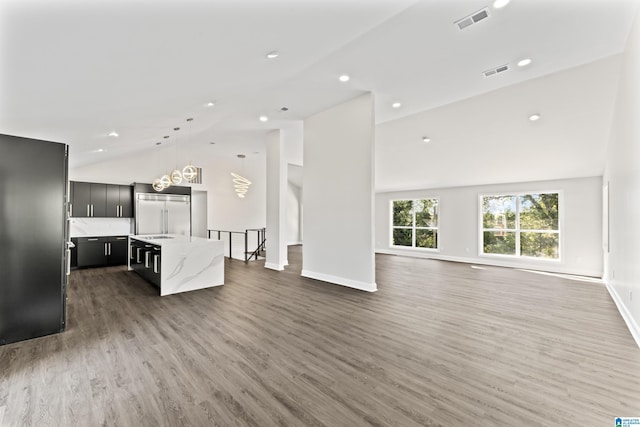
x=261, y=239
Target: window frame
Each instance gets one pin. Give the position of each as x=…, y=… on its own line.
x=519, y=230
x=413, y=227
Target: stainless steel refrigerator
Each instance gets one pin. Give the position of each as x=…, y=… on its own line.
x=33, y=238
x=163, y=214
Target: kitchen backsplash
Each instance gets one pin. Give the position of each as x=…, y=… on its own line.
x=95, y=227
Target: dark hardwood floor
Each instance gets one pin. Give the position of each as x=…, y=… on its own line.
x=439, y=344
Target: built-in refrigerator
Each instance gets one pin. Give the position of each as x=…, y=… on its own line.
x=163, y=214
x=33, y=238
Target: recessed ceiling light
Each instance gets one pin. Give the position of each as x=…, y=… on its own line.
x=426, y=139
x=500, y=3
x=100, y=150
x=210, y=104
x=396, y=105
x=534, y=117
x=158, y=143
x=524, y=62
x=344, y=78
x=284, y=109
x=113, y=134
x=212, y=143
x=273, y=54
x=166, y=137
x=264, y=118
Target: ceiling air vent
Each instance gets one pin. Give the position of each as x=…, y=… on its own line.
x=474, y=18
x=496, y=70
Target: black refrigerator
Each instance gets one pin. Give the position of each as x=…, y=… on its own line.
x=33, y=238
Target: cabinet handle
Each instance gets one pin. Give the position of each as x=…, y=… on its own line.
x=91, y=210
x=68, y=262
x=121, y=238
x=120, y=211
x=138, y=260
x=88, y=210
x=92, y=240
x=109, y=249
x=105, y=249
x=70, y=209
x=117, y=211
x=155, y=263
x=131, y=249
x=146, y=259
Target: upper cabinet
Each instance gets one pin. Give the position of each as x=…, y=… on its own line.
x=119, y=201
x=89, y=199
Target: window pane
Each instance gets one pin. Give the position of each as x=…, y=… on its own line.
x=499, y=212
x=402, y=214
x=540, y=245
x=426, y=213
x=427, y=239
x=539, y=211
x=499, y=242
x=402, y=236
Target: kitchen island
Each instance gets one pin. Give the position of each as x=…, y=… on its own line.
x=177, y=263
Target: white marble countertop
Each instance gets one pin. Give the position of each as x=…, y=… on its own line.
x=168, y=239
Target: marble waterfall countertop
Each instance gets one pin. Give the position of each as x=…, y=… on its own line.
x=186, y=263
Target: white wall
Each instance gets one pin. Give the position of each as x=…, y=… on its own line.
x=225, y=210
x=622, y=174
x=338, y=195
x=580, y=222
x=294, y=214
x=276, y=202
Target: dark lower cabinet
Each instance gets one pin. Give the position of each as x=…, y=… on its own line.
x=101, y=251
x=146, y=261
x=117, y=250
x=92, y=251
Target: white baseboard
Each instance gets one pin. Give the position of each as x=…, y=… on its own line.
x=273, y=266
x=554, y=268
x=355, y=284
x=625, y=313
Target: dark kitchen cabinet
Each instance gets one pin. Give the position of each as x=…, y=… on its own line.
x=117, y=250
x=119, y=201
x=92, y=251
x=126, y=201
x=146, y=261
x=33, y=250
x=80, y=199
x=101, y=251
x=88, y=199
x=91, y=199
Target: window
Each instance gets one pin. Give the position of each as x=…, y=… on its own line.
x=521, y=225
x=415, y=223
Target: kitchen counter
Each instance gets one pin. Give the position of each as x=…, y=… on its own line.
x=177, y=263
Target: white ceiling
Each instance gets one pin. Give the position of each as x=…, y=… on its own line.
x=72, y=71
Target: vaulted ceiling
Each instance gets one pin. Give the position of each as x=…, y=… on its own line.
x=74, y=71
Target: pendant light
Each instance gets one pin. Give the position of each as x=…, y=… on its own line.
x=165, y=181
x=189, y=173
x=241, y=184
x=157, y=185
x=176, y=175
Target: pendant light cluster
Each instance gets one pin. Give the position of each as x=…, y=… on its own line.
x=176, y=176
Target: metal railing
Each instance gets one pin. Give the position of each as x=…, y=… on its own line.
x=241, y=238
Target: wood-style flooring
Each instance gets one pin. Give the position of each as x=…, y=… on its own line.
x=439, y=344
